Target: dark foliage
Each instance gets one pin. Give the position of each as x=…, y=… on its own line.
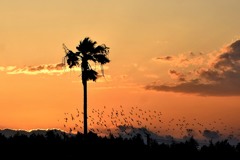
x=54, y=146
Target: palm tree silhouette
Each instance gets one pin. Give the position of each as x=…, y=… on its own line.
x=88, y=50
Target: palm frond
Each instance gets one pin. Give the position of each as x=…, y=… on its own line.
x=101, y=49
x=72, y=59
x=90, y=57
x=91, y=75
x=86, y=46
x=101, y=58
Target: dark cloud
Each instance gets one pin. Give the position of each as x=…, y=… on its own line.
x=177, y=75
x=211, y=134
x=167, y=58
x=198, y=88
x=220, y=78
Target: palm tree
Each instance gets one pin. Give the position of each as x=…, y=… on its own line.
x=87, y=50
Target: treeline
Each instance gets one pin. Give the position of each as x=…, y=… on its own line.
x=53, y=146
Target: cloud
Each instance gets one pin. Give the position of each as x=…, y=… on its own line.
x=211, y=134
x=219, y=75
x=176, y=75
x=183, y=60
x=51, y=69
x=33, y=70
x=2, y=68
x=166, y=58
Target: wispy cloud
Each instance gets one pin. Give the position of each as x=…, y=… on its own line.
x=50, y=69
x=184, y=59
x=165, y=58
x=34, y=70
x=217, y=75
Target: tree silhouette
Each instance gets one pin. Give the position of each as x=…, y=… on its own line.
x=87, y=50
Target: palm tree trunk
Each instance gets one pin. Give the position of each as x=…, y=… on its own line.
x=85, y=107
x=84, y=82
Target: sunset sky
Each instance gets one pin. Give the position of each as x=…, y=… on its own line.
x=180, y=57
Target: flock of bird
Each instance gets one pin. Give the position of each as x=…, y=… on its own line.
x=109, y=120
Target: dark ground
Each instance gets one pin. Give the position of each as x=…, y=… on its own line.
x=53, y=146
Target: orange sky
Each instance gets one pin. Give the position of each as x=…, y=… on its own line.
x=180, y=57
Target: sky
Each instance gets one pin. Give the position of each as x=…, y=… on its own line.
x=177, y=57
